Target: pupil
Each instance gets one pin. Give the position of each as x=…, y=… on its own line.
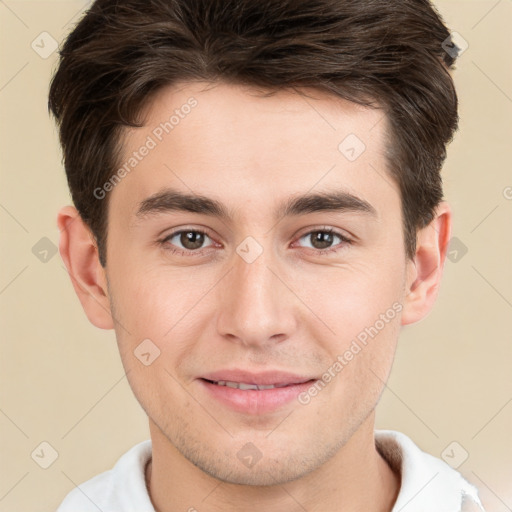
x=192, y=239
x=322, y=240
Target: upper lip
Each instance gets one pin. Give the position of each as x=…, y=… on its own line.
x=266, y=378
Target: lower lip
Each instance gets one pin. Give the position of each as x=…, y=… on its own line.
x=255, y=401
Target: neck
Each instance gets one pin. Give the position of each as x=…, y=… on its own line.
x=355, y=478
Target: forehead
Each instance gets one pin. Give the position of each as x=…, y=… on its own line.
x=233, y=105
x=221, y=112
x=205, y=137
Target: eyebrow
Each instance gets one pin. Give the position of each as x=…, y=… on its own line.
x=169, y=200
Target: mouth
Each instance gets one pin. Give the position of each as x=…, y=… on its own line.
x=254, y=394
x=245, y=386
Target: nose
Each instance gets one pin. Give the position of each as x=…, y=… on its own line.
x=256, y=306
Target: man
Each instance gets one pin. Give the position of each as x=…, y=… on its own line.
x=258, y=210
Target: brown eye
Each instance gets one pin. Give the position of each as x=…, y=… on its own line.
x=321, y=239
x=190, y=240
x=324, y=240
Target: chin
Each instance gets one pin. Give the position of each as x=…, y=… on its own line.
x=264, y=475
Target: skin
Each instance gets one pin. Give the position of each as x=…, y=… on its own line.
x=291, y=309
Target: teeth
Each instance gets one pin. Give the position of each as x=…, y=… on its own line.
x=245, y=386
x=242, y=385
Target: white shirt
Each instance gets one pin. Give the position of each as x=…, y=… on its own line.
x=428, y=483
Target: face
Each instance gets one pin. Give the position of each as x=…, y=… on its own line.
x=285, y=265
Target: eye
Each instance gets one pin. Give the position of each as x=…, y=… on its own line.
x=322, y=240
x=185, y=240
x=190, y=242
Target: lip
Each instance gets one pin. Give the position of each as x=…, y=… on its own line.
x=251, y=401
x=276, y=377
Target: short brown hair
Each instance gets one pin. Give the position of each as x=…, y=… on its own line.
x=376, y=53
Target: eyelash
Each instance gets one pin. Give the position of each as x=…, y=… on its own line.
x=184, y=252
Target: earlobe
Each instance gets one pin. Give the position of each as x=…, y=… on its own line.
x=80, y=255
x=425, y=272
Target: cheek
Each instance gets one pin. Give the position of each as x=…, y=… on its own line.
x=152, y=308
x=161, y=305
x=150, y=298
x=349, y=299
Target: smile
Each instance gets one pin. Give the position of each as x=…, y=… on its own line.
x=244, y=386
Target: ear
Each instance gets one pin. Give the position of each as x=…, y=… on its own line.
x=424, y=272
x=79, y=252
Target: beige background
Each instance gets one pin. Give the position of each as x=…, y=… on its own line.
x=61, y=378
